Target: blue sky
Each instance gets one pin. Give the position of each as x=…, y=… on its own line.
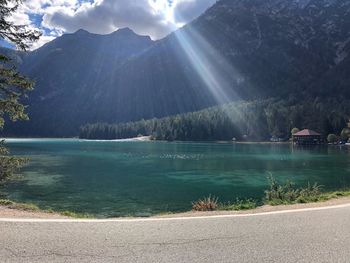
x=155, y=18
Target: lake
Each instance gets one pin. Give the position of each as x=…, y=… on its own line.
x=111, y=178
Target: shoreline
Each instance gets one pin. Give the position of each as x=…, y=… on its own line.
x=10, y=208
x=8, y=212
x=15, y=211
x=142, y=138
x=261, y=209
x=149, y=139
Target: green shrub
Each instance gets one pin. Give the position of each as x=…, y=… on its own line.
x=288, y=194
x=332, y=138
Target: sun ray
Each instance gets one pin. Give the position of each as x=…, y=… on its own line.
x=216, y=72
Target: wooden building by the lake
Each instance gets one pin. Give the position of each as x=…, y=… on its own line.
x=307, y=137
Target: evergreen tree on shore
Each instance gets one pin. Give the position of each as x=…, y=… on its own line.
x=255, y=121
x=13, y=86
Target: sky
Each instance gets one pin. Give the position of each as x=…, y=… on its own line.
x=156, y=18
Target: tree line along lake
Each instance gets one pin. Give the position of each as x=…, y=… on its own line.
x=127, y=178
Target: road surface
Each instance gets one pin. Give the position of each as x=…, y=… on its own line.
x=295, y=236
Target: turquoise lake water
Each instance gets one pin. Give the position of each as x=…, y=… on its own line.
x=144, y=178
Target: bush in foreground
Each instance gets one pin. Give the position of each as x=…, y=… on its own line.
x=277, y=194
x=289, y=194
x=209, y=203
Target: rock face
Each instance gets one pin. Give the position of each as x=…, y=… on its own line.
x=238, y=49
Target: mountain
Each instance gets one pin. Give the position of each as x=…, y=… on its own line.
x=69, y=73
x=238, y=49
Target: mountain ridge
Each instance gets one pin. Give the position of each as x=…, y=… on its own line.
x=236, y=50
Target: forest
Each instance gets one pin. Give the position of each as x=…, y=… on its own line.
x=257, y=120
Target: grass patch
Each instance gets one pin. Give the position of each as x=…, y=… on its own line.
x=334, y=195
x=27, y=207
x=20, y=206
x=6, y=202
x=239, y=205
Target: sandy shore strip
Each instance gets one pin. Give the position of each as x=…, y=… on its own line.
x=7, y=212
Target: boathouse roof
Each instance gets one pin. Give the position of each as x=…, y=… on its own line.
x=307, y=132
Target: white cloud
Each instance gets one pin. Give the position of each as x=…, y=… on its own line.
x=155, y=18
x=108, y=15
x=42, y=41
x=186, y=10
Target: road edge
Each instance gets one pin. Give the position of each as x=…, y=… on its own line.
x=155, y=219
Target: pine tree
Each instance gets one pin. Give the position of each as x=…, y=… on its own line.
x=13, y=86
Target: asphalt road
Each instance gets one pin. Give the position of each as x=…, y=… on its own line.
x=308, y=236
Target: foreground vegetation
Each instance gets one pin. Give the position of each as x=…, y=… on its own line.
x=14, y=87
x=34, y=208
x=255, y=121
x=277, y=194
